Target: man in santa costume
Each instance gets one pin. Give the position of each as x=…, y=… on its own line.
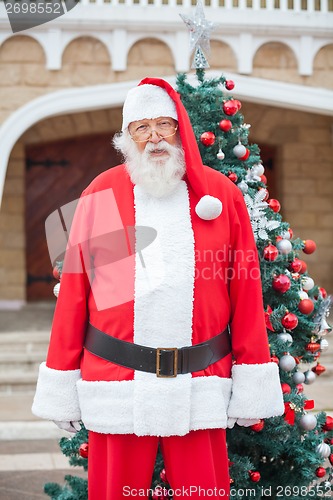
x=159, y=335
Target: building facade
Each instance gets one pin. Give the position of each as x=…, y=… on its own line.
x=62, y=86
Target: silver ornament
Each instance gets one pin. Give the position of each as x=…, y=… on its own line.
x=324, y=327
x=324, y=450
x=56, y=289
x=308, y=422
x=310, y=377
x=243, y=186
x=307, y=283
x=323, y=345
x=258, y=169
x=299, y=378
x=285, y=337
x=303, y=295
x=285, y=235
x=220, y=155
x=287, y=363
x=284, y=246
x=239, y=150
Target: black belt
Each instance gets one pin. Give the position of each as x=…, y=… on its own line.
x=164, y=361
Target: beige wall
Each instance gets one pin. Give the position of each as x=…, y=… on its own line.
x=303, y=140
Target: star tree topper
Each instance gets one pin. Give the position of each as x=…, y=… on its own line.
x=200, y=30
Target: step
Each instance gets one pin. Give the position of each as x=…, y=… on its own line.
x=21, y=361
x=15, y=381
x=24, y=341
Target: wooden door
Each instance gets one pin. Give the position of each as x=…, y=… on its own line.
x=56, y=173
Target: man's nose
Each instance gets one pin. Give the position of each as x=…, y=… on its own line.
x=154, y=137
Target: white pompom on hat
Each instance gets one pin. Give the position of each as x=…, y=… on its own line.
x=147, y=102
x=163, y=100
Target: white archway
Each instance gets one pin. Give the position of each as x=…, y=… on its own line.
x=261, y=91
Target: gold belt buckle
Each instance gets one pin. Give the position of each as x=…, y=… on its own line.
x=158, y=361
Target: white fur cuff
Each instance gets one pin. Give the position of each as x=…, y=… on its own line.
x=56, y=395
x=256, y=391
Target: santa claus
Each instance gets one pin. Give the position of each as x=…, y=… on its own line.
x=159, y=335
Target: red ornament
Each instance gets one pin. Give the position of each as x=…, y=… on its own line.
x=309, y=246
x=238, y=104
x=270, y=252
x=281, y=283
x=254, y=476
x=83, y=450
x=207, y=138
x=245, y=157
x=299, y=388
x=225, y=125
x=312, y=347
x=323, y=292
x=163, y=476
x=320, y=472
x=267, y=319
x=303, y=268
x=275, y=359
x=306, y=306
x=274, y=205
x=56, y=273
x=290, y=231
x=233, y=177
x=328, y=425
x=229, y=84
x=230, y=107
x=266, y=193
x=286, y=389
x=259, y=426
x=297, y=359
x=295, y=266
x=263, y=179
x=330, y=458
x=289, y=321
x=318, y=369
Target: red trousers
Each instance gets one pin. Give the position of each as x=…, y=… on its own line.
x=121, y=465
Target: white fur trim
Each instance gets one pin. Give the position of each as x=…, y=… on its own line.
x=56, y=394
x=111, y=407
x=147, y=101
x=256, y=391
x=160, y=318
x=208, y=207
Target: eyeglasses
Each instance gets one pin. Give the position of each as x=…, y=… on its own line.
x=142, y=132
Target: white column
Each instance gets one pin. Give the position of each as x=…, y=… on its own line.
x=305, y=60
x=53, y=49
x=181, y=52
x=119, y=50
x=245, y=53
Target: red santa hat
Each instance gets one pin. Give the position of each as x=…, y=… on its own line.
x=154, y=97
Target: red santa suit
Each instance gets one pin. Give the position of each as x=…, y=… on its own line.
x=196, y=277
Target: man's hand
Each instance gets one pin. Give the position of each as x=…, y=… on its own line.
x=74, y=426
x=244, y=422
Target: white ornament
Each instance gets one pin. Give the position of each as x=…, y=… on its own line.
x=287, y=363
x=220, y=155
x=303, y=295
x=258, y=169
x=307, y=283
x=285, y=235
x=284, y=246
x=285, y=337
x=239, y=150
x=323, y=345
x=299, y=378
x=56, y=289
x=324, y=450
x=324, y=327
x=243, y=187
x=310, y=377
x=308, y=422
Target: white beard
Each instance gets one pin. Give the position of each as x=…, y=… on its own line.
x=157, y=176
